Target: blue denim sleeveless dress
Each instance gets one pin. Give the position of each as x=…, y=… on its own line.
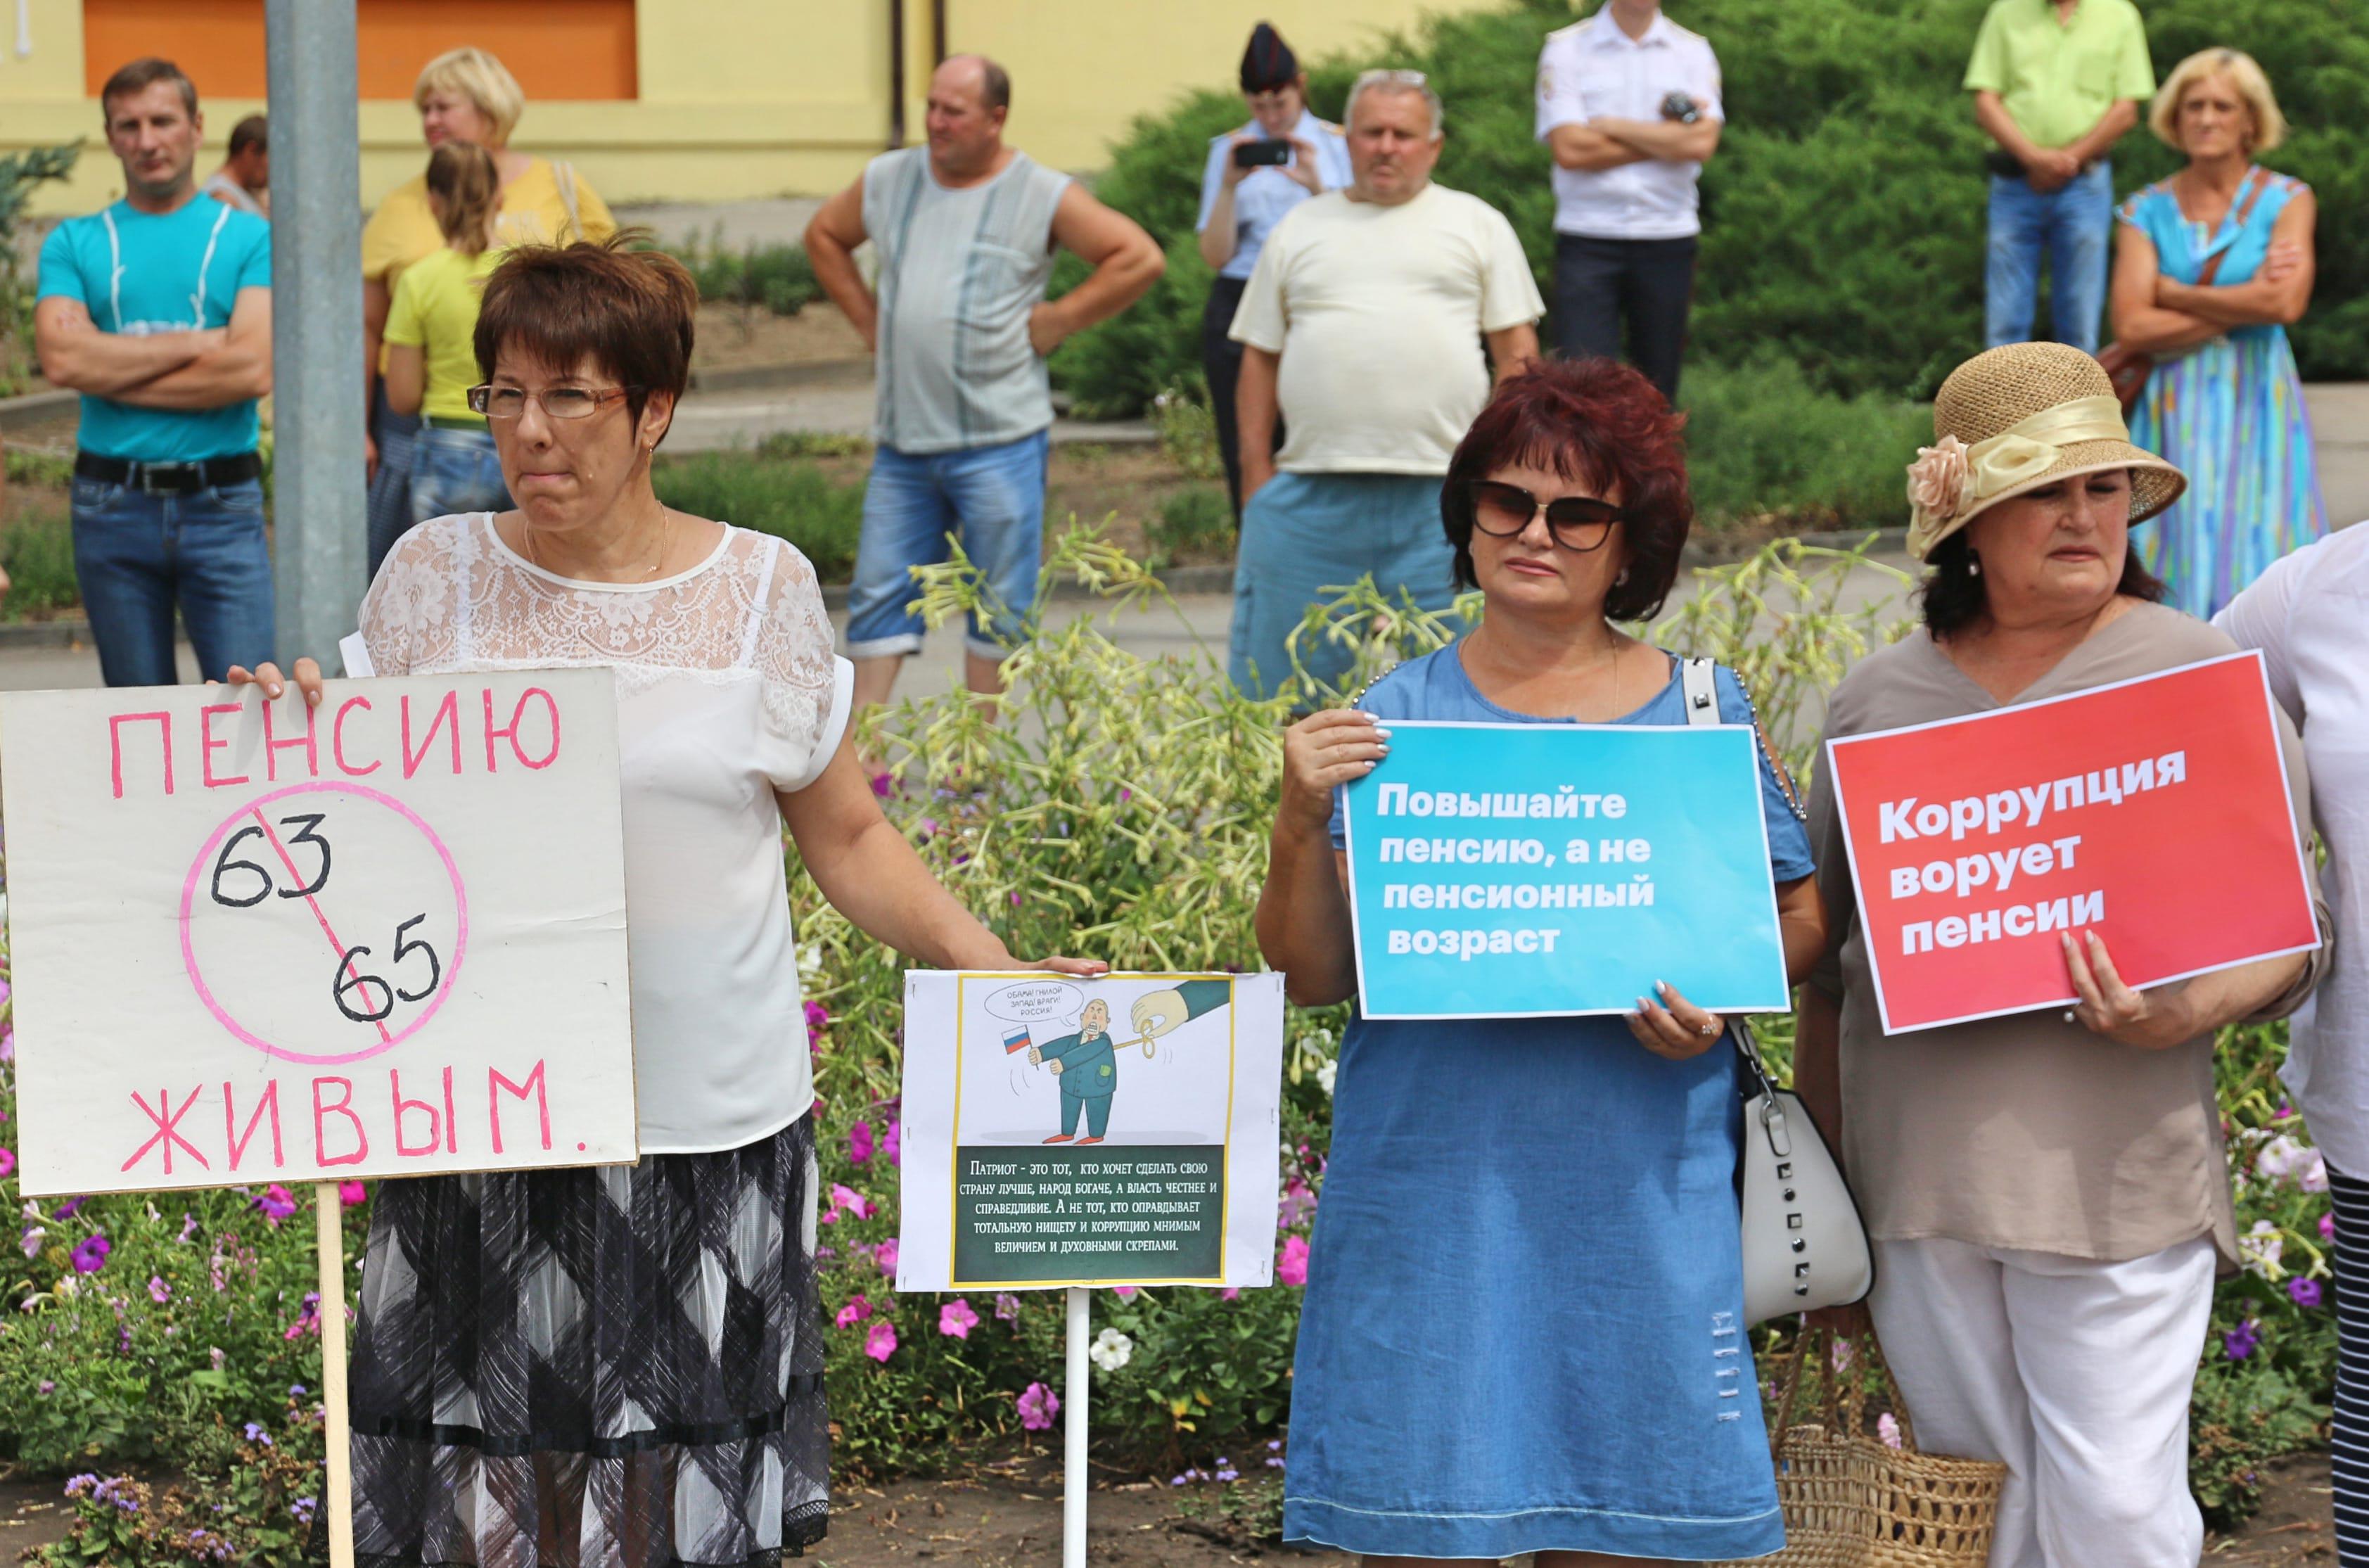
x=1523, y=1329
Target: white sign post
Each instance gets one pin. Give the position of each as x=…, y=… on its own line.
x=1065, y=1133
x=258, y=942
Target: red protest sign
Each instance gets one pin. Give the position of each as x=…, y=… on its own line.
x=2154, y=812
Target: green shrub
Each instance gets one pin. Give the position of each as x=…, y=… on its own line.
x=37, y=551
x=790, y=499
x=1844, y=212
x=1198, y=521
x=1762, y=441
x=1188, y=427
x=20, y=173
x=777, y=277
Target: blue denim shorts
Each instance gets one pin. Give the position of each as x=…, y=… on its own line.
x=991, y=498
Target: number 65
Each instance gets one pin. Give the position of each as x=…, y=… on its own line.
x=349, y=978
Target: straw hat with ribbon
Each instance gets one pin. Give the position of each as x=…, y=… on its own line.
x=2018, y=418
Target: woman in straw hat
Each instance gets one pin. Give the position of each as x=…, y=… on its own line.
x=2223, y=399
x=2045, y=1192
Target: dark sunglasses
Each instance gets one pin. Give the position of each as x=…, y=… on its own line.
x=1576, y=523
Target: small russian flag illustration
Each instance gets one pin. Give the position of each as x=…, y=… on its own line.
x=1016, y=1039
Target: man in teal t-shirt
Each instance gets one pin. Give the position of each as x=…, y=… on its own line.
x=158, y=311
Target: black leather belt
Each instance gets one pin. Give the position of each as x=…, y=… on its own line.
x=168, y=478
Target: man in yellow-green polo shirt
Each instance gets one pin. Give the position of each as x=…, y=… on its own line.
x=2056, y=82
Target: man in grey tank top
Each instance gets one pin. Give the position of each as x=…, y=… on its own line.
x=964, y=232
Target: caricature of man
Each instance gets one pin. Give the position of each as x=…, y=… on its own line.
x=1088, y=1067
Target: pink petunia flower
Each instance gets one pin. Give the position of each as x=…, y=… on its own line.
x=2328, y=1227
x=1230, y=1294
x=158, y=1292
x=1038, y=1406
x=887, y=1257
x=1291, y=1264
x=1007, y=1307
x=956, y=1318
x=859, y=1143
x=1124, y=1292
x=847, y=1197
x=854, y=1312
x=352, y=1194
x=888, y=1146
x=8, y=1163
x=90, y=1256
x=275, y=1202
x=881, y=1343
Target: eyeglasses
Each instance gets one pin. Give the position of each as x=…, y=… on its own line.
x=557, y=402
x=1575, y=522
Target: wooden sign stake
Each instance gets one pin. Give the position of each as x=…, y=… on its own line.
x=329, y=1216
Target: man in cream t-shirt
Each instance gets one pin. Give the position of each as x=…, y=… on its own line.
x=1364, y=321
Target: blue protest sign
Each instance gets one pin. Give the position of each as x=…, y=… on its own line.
x=1523, y=871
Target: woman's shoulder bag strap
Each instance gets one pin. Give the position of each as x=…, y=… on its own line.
x=1701, y=690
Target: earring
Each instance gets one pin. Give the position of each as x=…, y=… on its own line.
x=1973, y=564
x=1622, y=581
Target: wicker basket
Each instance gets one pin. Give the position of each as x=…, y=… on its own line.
x=1852, y=1501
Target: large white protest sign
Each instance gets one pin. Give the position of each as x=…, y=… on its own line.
x=252, y=942
x=1112, y=1131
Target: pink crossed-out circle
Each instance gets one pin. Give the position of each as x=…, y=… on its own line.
x=205, y=992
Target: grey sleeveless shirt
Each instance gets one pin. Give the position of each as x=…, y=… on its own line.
x=959, y=272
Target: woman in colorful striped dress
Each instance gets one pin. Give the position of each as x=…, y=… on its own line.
x=2225, y=402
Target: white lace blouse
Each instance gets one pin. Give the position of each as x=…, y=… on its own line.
x=727, y=691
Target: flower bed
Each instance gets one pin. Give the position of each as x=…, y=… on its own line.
x=1121, y=810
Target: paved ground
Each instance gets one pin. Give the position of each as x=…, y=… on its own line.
x=838, y=399
x=732, y=225
x=1196, y=624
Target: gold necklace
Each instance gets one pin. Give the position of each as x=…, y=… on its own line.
x=666, y=536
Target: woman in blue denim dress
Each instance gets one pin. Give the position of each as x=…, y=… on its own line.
x=1524, y=1328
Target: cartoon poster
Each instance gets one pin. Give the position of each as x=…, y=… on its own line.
x=256, y=942
x=1112, y=1131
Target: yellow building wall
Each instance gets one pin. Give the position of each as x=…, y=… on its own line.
x=743, y=99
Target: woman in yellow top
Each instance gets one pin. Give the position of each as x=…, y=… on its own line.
x=463, y=95
x=431, y=347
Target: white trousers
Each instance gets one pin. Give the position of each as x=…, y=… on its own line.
x=2076, y=1373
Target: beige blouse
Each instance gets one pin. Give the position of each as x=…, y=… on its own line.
x=2024, y=1131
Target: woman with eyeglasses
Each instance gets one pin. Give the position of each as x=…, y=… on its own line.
x=624, y=1365
x=1540, y=1367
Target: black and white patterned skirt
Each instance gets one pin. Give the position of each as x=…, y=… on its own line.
x=611, y=1368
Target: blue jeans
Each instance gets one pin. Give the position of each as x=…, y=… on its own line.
x=135, y=554
x=2074, y=228
x=454, y=471
x=992, y=497
x=1306, y=536
x=389, y=497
